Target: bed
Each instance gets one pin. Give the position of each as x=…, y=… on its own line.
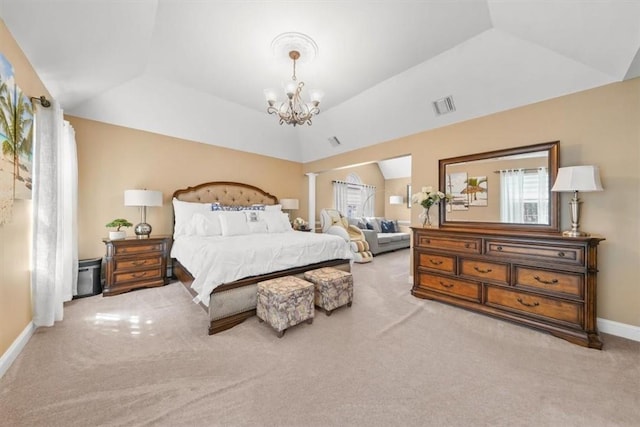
x=211, y=263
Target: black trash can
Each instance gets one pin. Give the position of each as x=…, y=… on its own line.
x=89, y=277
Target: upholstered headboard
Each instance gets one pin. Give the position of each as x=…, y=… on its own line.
x=225, y=193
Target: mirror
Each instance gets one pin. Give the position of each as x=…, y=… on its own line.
x=503, y=189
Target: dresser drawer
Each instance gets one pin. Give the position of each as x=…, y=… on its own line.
x=466, y=245
x=140, y=275
x=532, y=251
x=138, y=249
x=448, y=285
x=550, y=281
x=141, y=262
x=436, y=262
x=539, y=306
x=483, y=270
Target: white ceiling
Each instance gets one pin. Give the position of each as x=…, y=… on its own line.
x=197, y=69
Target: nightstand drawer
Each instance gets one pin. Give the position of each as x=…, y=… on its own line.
x=448, y=285
x=485, y=270
x=436, y=262
x=142, y=262
x=139, y=275
x=138, y=248
x=540, y=306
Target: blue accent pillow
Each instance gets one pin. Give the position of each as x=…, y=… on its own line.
x=387, y=226
x=370, y=226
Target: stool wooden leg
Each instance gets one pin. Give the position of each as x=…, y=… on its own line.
x=328, y=312
x=281, y=333
x=310, y=321
x=349, y=303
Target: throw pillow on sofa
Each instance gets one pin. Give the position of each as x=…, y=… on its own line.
x=388, y=226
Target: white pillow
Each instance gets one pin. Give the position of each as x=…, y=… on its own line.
x=256, y=222
x=273, y=208
x=183, y=212
x=234, y=223
x=206, y=223
x=277, y=222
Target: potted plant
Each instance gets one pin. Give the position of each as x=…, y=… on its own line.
x=118, y=223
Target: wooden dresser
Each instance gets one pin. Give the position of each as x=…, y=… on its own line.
x=134, y=263
x=542, y=280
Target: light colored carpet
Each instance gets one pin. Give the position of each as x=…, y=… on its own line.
x=144, y=358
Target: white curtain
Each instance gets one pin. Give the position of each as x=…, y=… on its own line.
x=54, y=273
x=340, y=196
x=543, y=196
x=511, y=193
x=369, y=197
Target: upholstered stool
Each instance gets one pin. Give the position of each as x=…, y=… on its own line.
x=284, y=302
x=333, y=288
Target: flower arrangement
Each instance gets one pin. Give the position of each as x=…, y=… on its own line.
x=300, y=224
x=427, y=198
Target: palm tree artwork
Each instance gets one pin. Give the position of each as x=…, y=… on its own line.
x=476, y=190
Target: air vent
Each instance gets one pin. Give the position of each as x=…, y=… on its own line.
x=444, y=106
x=334, y=141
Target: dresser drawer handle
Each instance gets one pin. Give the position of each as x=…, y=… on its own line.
x=479, y=270
x=467, y=245
x=426, y=241
x=435, y=262
x=446, y=285
x=139, y=263
x=526, y=304
x=546, y=282
x=561, y=254
x=499, y=248
x=138, y=275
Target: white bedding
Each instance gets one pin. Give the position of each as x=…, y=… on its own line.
x=214, y=260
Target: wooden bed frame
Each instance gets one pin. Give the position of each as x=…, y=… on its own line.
x=232, y=303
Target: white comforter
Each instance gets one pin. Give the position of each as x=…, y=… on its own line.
x=215, y=260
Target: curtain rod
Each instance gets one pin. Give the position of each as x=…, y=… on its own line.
x=43, y=101
x=525, y=169
x=335, y=181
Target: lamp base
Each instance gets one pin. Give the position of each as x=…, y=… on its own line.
x=575, y=233
x=143, y=230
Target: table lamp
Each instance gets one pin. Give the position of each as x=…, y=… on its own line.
x=142, y=198
x=574, y=179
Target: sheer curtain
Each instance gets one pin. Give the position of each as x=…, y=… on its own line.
x=543, y=196
x=54, y=273
x=511, y=191
x=340, y=196
x=369, y=197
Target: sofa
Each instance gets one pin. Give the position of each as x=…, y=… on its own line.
x=381, y=234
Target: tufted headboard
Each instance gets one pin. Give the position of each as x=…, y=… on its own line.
x=225, y=193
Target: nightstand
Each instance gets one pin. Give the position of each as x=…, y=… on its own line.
x=134, y=263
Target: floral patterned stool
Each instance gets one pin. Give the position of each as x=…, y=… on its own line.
x=284, y=302
x=333, y=288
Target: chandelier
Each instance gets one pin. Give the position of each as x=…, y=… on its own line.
x=293, y=111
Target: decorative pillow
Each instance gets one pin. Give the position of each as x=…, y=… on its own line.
x=256, y=222
x=369, y=226
x=183, y=212
x=218, y=207
x=234, y=223
x=277, y=222
x=273, y=208
x=387, y=226
x=361, y=224
x=206, y=224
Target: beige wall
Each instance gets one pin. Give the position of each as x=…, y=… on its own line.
x=598, y=126
x=397, y=187
x=112, y=159
x=15, y=236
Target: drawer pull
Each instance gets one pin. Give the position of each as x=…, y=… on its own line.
x=561, y=254
x=546, y=282
x=138, y=275
x=139, y=263
x=446, y=285
x=526, y=304
x=427, y=241
x=467, y=245
x=499, y=248
x=435, y=262
x=479, y=270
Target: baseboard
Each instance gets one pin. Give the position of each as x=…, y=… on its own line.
x=619, y=329
x=16, y=347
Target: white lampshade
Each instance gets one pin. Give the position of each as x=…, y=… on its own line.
x=142, y=198
x=578, y=178
x=396, y=200
x=289, y=204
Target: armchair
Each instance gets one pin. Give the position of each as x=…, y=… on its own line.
x=333, y=222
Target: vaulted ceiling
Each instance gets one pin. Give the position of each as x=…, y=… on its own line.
x=197, y=69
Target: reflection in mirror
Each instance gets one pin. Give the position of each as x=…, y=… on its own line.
x=501, y=189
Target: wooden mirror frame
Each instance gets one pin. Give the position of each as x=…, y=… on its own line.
x=553, y=149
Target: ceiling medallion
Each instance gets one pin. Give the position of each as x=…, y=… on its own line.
x=294, y=111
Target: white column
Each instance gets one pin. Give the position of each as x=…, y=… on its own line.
x=312, y=201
